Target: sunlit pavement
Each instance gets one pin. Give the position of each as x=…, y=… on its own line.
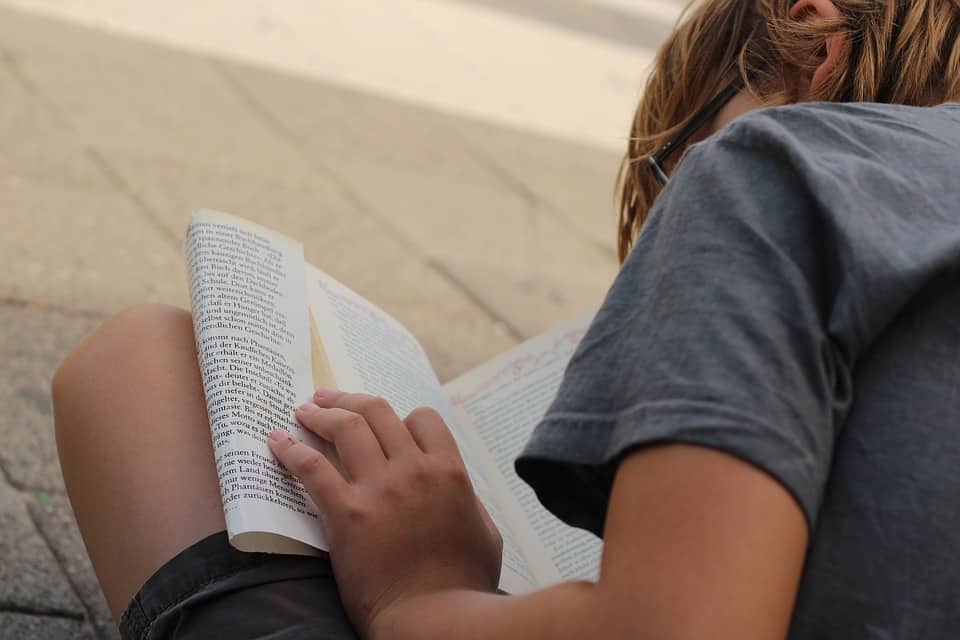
x=451, y=160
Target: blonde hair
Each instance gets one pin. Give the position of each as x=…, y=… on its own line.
x=897, y=51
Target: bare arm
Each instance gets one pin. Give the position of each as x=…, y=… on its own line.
x=697, y=544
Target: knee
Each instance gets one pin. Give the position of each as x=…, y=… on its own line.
x=137, y=335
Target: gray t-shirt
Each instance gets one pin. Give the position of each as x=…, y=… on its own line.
x=794, y=300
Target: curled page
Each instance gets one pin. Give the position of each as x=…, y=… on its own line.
x=253, y=345
x=502, y=401
x=370, y=352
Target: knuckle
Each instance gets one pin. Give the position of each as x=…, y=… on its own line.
x=355, y=512
x=424, y=414
x=421, y=474
x=351, y=421
x=310, y=466
x=374, y=404
x=455, y=473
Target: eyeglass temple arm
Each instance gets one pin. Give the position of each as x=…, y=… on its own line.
x=698, y=121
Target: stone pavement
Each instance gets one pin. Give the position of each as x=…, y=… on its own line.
x=473, y=234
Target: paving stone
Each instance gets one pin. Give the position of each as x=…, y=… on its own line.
x=30, y=579
x=54, y=516
x=82, y=248
x=574, y=179
x=20, y=626
x=340, y=124
x=120, y=93
x=340, y=238
x=495, y=242
x=37, y=144
x=32, y=343
x=428, y=175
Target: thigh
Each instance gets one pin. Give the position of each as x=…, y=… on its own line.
x=135, y=447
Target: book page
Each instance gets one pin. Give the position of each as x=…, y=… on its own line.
x=370, y=352
x=253, y=344
x=503, y=400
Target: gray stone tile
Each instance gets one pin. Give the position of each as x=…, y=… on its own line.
x=30, y=453
x=19, y=626
x=495, y=243
x=54, y=516
x=575, y=180
x=121, y=93
x=341, y=124
x=32, y=343
x=30, y=579
x=37, y=144
x=82, y=248
x=497, y=224
x=340, y=237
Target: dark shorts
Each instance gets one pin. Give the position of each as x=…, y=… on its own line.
x=211, y=590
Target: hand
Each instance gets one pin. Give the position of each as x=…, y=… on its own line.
x=406, y=520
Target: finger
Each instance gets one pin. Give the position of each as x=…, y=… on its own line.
x=430, y=431
x=393, y=436
x=321, y=479
x=357, y=447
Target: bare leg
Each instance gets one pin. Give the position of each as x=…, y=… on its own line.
x=135, y=446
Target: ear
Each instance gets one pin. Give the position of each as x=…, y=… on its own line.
x=834, y=49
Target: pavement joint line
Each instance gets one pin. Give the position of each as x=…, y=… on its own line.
x=520, y=187
x=41, y=613
x=88, y=614
x=6, y=477
x=91, y=152
x=278, y=128
x=10, y=61
x=19, y=303
x=124, y=187
x=501, y=173
x=512, y=331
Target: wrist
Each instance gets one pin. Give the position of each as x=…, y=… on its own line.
x=394, y=620
x=405, y=616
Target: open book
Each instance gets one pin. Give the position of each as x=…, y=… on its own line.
x=270, y=328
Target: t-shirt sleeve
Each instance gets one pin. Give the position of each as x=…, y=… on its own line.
x=713, y=334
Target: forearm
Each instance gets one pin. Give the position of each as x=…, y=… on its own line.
x=569, y=610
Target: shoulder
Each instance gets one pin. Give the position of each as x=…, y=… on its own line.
x=796, y=134
x=829, y=158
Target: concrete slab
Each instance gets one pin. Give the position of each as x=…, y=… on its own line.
x=55, y=519
x=454, y=57
x=16, y=626
x=37, y=144
x=119, y=93
x=85, y=249
x=339, y=124
x=494, y=241
x=30, y=579
x=575, y=180
x=189, y=141
x=30, y=455
x=339, y=237
x=32, y=343
x=471, y=197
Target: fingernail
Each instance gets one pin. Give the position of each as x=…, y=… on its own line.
x=278, y=435
x=324, y=392
x=307, y=407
